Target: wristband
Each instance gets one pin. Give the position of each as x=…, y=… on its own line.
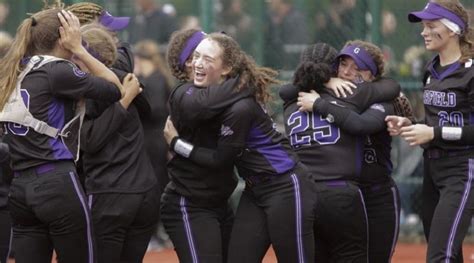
x=183, y=148
x=451, y=133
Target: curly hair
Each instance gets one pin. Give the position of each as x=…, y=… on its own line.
x=466, y=39
x=315, y=68
x=87, y=12
x=374, y=51
x=251, y=75
x=100, y=43
x=175, y=47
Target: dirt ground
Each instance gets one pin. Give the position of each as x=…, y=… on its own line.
x=404, y=253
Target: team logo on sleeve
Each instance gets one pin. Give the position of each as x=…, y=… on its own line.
x=226, y=130
x=77, y=71
x=378, y=107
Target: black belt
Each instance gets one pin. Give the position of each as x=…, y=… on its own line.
x=435, y=153
x=254, y=180
x=45, y=168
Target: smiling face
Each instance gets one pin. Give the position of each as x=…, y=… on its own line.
x=208, y=64
x=348, y=70
x=436, y=35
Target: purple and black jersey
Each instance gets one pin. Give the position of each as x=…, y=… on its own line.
x=329, y=152
x=448, y=96
x=206, y=185
x=264, y=151
x=49, y=93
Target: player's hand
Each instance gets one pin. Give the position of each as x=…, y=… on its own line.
x=417, y=134
x=169, y=131
x=395, y=123
x=131, y=86
x=306, y=100
x=340, y=87
x=69, y=31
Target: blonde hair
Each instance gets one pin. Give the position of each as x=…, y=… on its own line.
x=375, y=53
x=100, y=43
x=36, y=35
x=148, y=49
x=466, y=39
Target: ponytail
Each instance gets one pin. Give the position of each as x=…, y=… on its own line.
x=466, y=43
x=11, y=63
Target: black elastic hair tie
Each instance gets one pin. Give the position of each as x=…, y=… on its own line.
x=33, y=21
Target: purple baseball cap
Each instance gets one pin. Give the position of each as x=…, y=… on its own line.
x=433, y=11
x=113, y=23
x=361, y=57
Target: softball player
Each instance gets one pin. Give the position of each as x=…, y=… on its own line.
x=331, y=246
x=277, y=204
x=46, y=202
x=448, y=96
x=120, y=183
x=194, y=208
x=6, y=176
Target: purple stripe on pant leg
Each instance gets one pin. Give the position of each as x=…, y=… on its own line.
x=187, y=227
x=397, y=222
x=86, y=212
x=299, y=219
x=366, y=223
x=452, y=233
x=89, y=202
x=9, y=244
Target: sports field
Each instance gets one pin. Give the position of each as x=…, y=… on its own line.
x=404, y=253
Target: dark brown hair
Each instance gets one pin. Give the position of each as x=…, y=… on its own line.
x=175, y=47
x=251, y=75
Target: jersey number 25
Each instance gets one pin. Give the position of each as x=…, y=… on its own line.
x=307, y=128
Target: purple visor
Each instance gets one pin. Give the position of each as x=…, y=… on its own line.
x=361, y=57
x=113, y=23
x=191, y=44
x=434, y=11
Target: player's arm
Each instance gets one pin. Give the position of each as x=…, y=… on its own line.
x=462, y=135
x=369, y=93
x=368, y=122
x=231, y=142
x=199, y=104
x=96, y=131
x=67, y=80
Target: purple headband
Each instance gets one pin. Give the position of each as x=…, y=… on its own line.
x=361, y=57
x=434, y=11
x=191, y=44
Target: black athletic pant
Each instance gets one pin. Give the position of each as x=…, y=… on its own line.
x=5, y=235
x=383, y=212
x=200, y=234
x=278, y=212
x=448, y=204
x=341, y=229
x=123, y=224
x=49, y=211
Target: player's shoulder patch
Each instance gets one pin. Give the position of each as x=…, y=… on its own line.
x=76, y=70
x=226, y=130
x=378, y=107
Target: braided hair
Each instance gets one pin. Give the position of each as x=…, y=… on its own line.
x=55, y=4
x=87, y=12
x=315, y=68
